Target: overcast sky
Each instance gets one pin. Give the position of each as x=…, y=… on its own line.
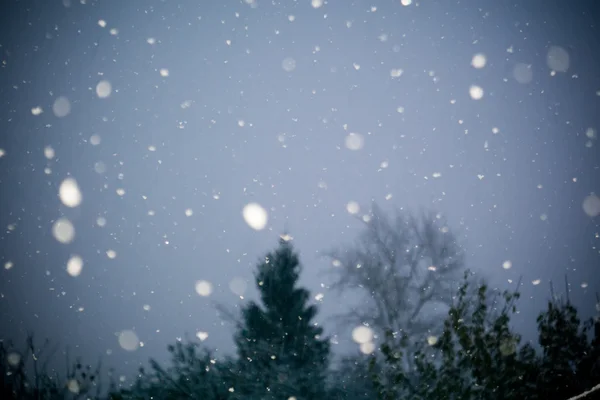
x=173, y=115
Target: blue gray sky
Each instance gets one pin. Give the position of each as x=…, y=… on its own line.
x=218, y=104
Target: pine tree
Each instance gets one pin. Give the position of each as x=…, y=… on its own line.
x=281, y=351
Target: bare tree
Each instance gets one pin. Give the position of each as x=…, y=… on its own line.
x=400, y=264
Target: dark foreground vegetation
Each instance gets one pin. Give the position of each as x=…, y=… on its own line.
x=399, y=264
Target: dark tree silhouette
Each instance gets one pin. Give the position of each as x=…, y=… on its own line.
x=281, y=351
x=479, y=356
x=194, y=373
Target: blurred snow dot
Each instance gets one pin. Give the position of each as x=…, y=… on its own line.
x=591, y=205
x=2, y=153
x=291, y=18
x=362, y=334
x=432, y=340
x=590, y=133
x=202, y=336
x=384, y=164
x=74, y=265
x=47, y=171
x=508, y=347
x=63, y=230
x=37, y=110
x=151, y=40
x=367, y=348
x=13, y=359
x=95, y=140
x=476, y=92
x=523, y=73
x=406, y=2
x=557, y=59
x=121, y=191
x=286, y=237
x=99, y=167
x=355, y=141
x=114, y=31
x=128, y=340
x=69, y=193
x=584, y=285
x=73, y=386
x=238, y=286
x=164, y=72
x=189, y=212
x=203, y=288
x=437, y=175
x=111, y=254
x=479, y=60
x=61, y=107
x=507, y=264
x=288, y=64
x=103, y=89
x=352, y=207
x=336, y=263
x=319, y=297
x=49, y=152
x=146, y=307
x=536, y=281
x=495, y=130
x=400, y=110
x=544, y=217
x=388, y=196
x=102, y=23
x=396, y=73
x=241, y=123
x=151, y=148
x=255, y=216
x=316, y=3
x=8, y=265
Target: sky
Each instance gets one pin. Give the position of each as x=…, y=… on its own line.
x=171, y=116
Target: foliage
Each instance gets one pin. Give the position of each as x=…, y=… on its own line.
x=570, y=364
x=478, y=355
x=281, y=352
x=194, y=374
x=351, y=379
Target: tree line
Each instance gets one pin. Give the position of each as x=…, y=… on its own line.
x=427, y=327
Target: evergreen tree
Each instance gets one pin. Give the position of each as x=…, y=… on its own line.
x=281, y=351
